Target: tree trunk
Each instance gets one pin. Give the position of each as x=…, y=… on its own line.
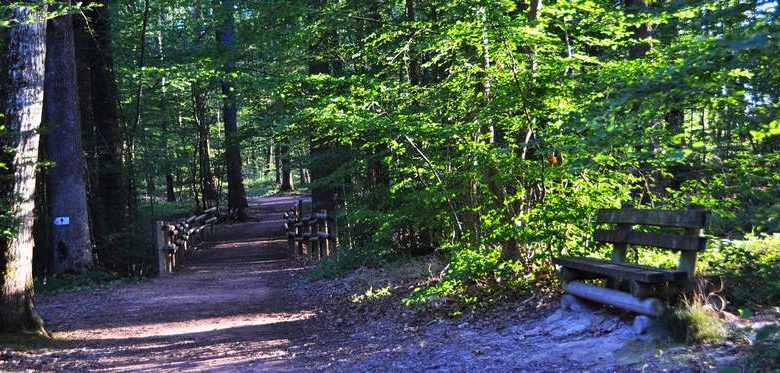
x=130, y=134
x=641, y=32
x=23, y=111
x=236, y=192
x=66, y=183
x=413, y=67
x=206, y=176
x=287, y=176
x=170, y=191
x=110, y=191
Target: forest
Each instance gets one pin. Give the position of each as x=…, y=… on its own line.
x=485, y=134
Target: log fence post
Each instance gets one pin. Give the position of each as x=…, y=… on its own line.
x=162, y=261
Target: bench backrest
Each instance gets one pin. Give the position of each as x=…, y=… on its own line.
x=692, y=220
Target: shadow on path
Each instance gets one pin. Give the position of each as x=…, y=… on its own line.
x=227, y=309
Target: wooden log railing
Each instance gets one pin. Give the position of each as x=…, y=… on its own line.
x=174, y=240
x=312, y=237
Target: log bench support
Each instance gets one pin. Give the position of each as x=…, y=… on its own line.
x=630, y=286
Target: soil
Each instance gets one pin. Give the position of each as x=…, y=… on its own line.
x=240, y=303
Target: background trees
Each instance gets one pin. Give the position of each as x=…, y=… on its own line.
x=465, y=126
x=489, y=131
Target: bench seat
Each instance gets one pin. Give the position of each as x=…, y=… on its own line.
x=629, y=271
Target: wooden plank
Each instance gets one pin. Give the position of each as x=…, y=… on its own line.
x=621, y=270
x=571, y=274
x=661, y=240
x=662, y=218
x=672, y=275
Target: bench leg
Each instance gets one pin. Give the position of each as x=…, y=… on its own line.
x=648, y=306
x=570, y=302
x=643, y=323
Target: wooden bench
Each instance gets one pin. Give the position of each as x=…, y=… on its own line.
x=631, y=286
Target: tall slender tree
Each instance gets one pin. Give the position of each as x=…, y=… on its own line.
x=66, y=182
x=226, y=36
x=209, y=189
x=23, y=113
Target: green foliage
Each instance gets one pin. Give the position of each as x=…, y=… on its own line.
x=371, y=295
x=261, y=185
x=477, y=277
x=462, y=127
x=750, y=267
x=694, y=322
x=132, y=253
x=329, y=267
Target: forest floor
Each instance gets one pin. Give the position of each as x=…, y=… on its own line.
x=240, y=303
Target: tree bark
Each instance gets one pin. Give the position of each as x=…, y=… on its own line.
x=132, y=179
x=287, y=176
x=110, y=189
x=236, y=192
x=23, y=112
x=66, y=182
x=209, y=189
x=641, y=32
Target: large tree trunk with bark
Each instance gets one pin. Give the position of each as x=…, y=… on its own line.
x=236, y=192
x=110, y=187
x=23, y=111
x=66, y=186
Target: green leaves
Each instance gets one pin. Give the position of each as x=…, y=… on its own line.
x=769, y=130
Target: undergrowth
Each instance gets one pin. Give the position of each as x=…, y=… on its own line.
x=694, y=322
x=261, y=185
x=71, y=282
x=330, y=267
x=29, y=341
x=750, y=268
x=477, y=276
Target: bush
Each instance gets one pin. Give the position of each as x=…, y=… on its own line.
x=477, y=276
x=329, y=267
x=750, y=267
x=694, y=322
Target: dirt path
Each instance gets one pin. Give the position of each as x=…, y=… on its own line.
x=240, y=304
x=224, y=311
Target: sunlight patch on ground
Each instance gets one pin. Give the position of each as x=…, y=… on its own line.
x=205, y=325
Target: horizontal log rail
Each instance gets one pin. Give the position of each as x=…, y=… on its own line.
x=174, y=240
x=311, y=237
